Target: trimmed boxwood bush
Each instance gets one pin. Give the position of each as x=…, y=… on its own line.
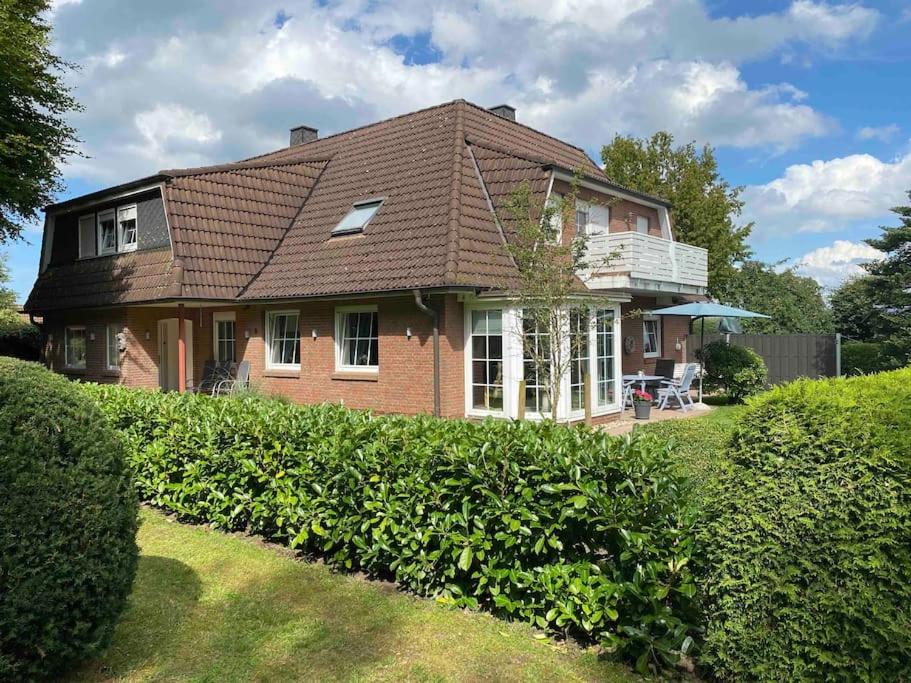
x=807, y=545
x=570, y=529
x=68, y=519
x=737, y=370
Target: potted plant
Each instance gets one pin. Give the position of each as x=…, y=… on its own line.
x=642, y=404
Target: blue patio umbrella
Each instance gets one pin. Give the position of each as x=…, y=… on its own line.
x=703, y=310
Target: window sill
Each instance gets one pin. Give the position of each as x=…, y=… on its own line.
x=286, y=373
x=354, y=376
x=111, y=372
x=67, y=370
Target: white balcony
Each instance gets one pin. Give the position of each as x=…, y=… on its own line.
x=645, y=263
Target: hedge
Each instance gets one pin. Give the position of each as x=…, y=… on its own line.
x=567, y=528
x=68, y=519
x=737, y=370
x=864, y=358
x=807, y=543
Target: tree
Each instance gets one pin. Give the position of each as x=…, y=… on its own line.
x=854, y=310
x=794, y=302
x=704, y=204
x=34, y=135
x=554, y=302
x=890, y=286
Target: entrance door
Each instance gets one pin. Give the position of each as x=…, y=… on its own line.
x=167, y=353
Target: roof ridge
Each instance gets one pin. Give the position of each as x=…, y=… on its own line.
x=539, y=132
x=237, y=166
x=451, y=274
x=288, y=227
x=489, y=201
x=441, y=105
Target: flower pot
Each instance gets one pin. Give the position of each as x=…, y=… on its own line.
x=642, y=409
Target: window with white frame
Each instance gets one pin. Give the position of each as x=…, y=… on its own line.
x=536, y=369
x=487, y=359
x=224, y=338
x=651, y=336
x=74, y=347
x=126, y=228
x=598, y=220
x=582, y=215
x=87, y=245
x=357, y=339
x=283, y=339
x=606, y=386
x=642, y=224
x=107, y=233
x=112, y=347
x=555, y=204
x=579, y=327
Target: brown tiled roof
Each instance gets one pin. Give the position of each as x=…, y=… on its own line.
x=261, y=228
x=226, y=221
x=124, y=278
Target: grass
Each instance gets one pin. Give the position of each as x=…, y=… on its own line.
x=208, y=606
x=700, y=441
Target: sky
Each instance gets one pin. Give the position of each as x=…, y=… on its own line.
x=807, y=103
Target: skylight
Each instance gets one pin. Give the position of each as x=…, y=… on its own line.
x=357, y=219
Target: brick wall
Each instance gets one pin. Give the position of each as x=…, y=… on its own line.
x=673, y=328
x=622, y=212
x=403, y=384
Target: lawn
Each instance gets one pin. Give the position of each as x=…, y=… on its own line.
x=208, y=606
x=699, y=442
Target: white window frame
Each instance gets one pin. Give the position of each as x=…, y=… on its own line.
x=111, y=330
x=596, y=228
x=557, y=218
x=99, y=235
x=66, y=347
x=121, y=246
x=648, y=224
x=226, y=316
x=91, y=217
x=341, y=313
x=513, y=364
x=657, y=320
x=268, y=337
x=583, y=208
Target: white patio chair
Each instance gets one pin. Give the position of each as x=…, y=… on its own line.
x=628, y=388
x=678, y=389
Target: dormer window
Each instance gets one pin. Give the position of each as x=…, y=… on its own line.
x=107, y=233
x=358, y=217
x=126, y=228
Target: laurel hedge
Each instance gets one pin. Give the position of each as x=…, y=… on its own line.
x=570, y=529
x=68, y=519
x=806, y=546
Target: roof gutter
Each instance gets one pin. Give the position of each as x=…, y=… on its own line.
x=435, y=319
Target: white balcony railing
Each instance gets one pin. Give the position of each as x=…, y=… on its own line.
x=632, y=260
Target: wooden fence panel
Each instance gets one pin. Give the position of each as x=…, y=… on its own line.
x=788, y=356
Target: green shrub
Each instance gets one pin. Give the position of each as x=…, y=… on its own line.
x=864, y=358
x=570, y=529
x=737, y=370
x=807, y=542
x=68, y=519
x=699, y=446
x=18, y=337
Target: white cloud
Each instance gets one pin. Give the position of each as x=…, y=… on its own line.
x=212, y=81
x=832, y=265
x=828, y=195
x=881, y=133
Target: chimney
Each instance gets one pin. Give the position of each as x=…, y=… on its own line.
x=505, y=111
x=303, y=134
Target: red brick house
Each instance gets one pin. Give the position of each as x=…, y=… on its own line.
x=329, y=264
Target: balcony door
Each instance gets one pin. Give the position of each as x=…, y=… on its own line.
x=167, y=353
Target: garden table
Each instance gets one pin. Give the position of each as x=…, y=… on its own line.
x=643, y=379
